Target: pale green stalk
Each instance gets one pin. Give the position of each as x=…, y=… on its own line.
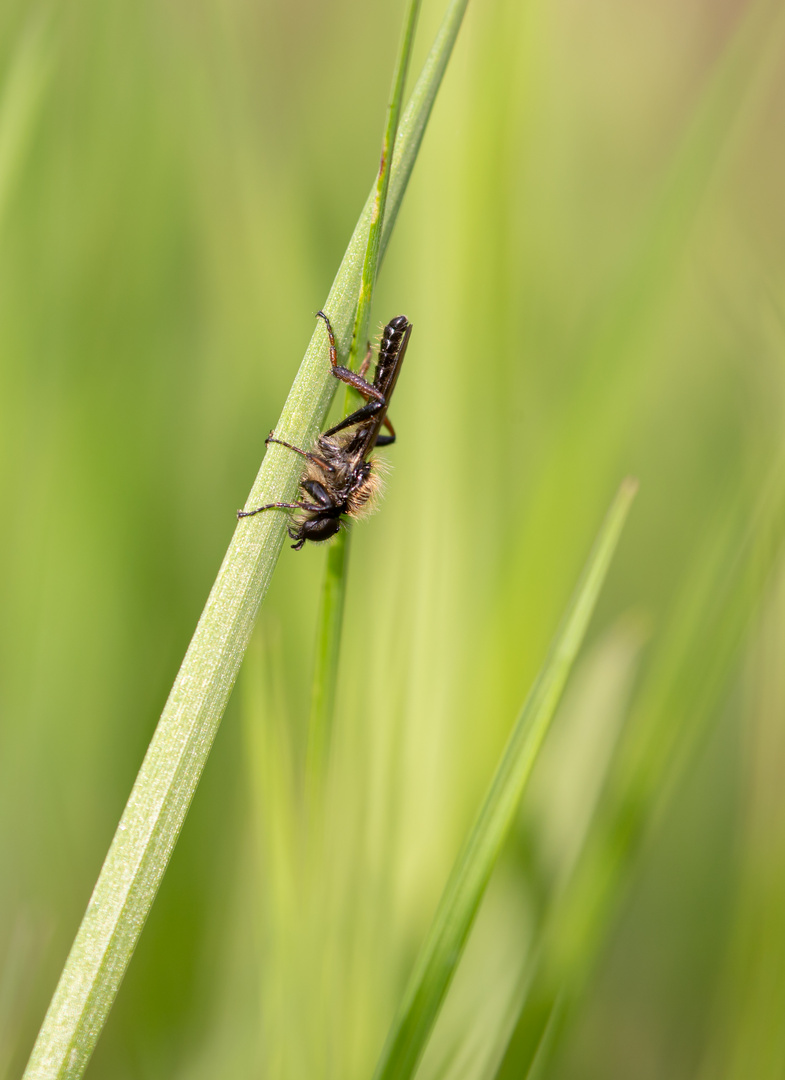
x=328, y=647
x=330, y=621
x=162, y=793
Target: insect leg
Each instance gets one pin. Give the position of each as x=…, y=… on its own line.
x=331, y=336
x=386, y=440
x=278, y=506
x=351, y=378
x=303, y=453
x=366, y=362
x=365, y=412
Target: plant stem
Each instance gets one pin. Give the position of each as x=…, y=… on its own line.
x=328, y=644
x=371, y=263
x=330, y=621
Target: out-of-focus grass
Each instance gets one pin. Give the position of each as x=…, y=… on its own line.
x=187, y=180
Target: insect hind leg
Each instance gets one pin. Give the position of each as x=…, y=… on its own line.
x=366, y=361
x=345, y=374
x=331, y=336
x=386, y=440
x=357, y=417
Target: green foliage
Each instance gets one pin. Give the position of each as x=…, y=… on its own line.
x=591, y=255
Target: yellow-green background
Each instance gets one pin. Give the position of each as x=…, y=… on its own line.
x=591, y=253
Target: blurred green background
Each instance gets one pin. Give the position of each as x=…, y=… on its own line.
x=591, y=252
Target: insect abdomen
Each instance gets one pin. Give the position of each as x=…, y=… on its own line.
x=389, y=347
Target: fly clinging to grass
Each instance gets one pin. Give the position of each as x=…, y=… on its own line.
x=339, y=478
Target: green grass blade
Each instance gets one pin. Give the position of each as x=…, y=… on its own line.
x=371, y=263
x=162, y=793
x=330, y=621
x=463, y=893
x=687, y=683
x=328, y=647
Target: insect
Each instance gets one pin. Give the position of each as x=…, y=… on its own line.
x=339, y=478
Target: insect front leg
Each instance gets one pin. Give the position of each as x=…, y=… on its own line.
x=303, y=453
x=278, y=506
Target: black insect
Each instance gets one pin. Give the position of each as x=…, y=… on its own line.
x=340, y=478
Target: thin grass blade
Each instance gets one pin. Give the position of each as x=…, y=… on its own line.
x=372, y=253
x=687, y=682
x=466, y=886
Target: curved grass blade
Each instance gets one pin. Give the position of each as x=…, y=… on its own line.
x=461, y=898
x=162, y=793
x=330, y=621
